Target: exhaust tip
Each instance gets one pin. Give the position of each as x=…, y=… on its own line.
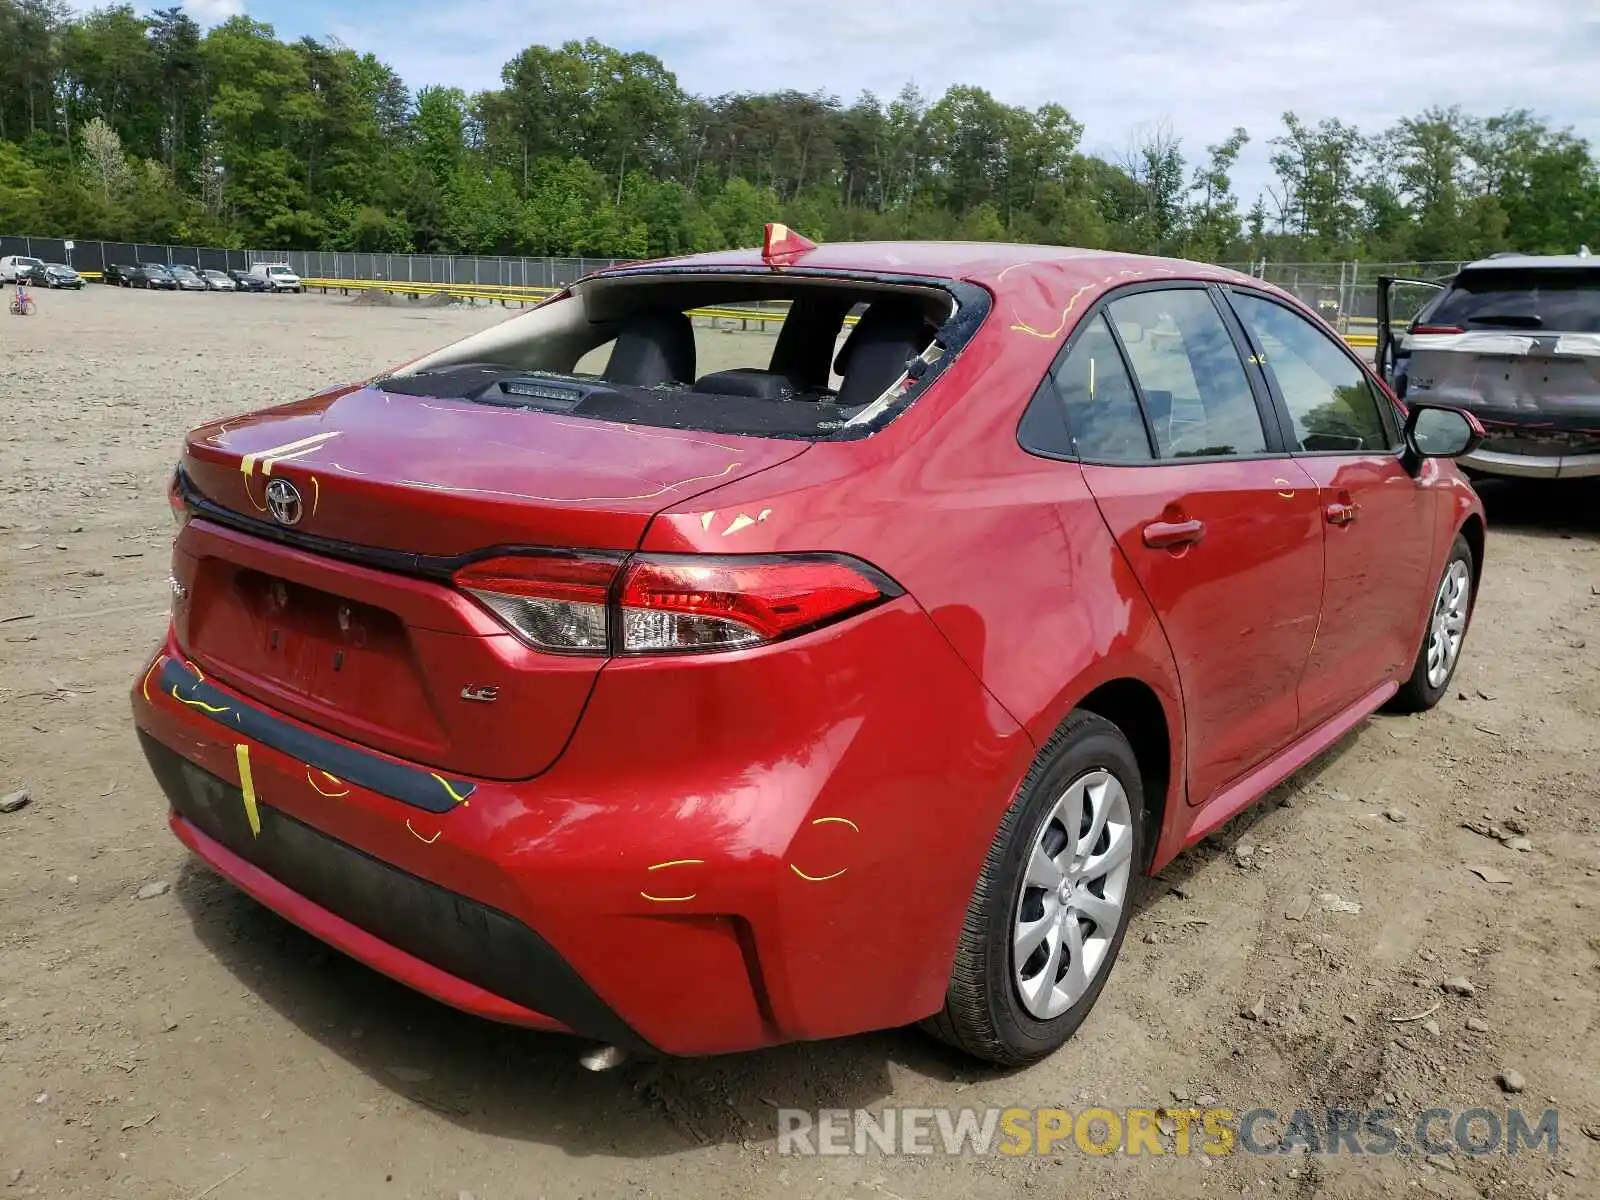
x=604, y=1058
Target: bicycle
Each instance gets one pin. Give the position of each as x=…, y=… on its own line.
x=22, y=304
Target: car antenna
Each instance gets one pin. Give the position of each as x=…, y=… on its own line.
x=782, y=245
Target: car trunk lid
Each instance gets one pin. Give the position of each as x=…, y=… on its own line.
x=336, y=608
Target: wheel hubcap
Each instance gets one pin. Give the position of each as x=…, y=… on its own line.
x=1073, y=891
x=1449, y=624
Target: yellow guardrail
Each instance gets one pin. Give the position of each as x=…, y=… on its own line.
x=507, y=295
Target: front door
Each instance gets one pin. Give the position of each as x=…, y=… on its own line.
x=1219, y=525
x=1377, y=516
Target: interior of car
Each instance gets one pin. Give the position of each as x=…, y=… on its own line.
x=651, y=351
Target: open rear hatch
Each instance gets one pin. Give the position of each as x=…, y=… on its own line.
x=323, y=535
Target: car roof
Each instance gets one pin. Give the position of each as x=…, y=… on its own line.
x=994, y=264
x=1534, y=262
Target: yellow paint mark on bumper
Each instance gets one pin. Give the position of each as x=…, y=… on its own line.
x=247, y=785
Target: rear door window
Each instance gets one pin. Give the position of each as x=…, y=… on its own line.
x=1195, y=390
x=1561, y=300
x=1098, y=400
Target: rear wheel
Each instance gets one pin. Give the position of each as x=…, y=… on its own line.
x=1050, y=909
x=1446, y=633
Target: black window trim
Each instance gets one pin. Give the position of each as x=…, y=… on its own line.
x=1388, y=415
x=1266, y=405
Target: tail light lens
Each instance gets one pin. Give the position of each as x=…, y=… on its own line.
x=175, y=501
x=552, y=602
x=673, y=603
x=1438, y=329
x=670, y=604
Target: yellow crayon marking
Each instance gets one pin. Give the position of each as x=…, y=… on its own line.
x=454, y=795
x=318, y=788
x=1050, y=335
x=250, y=496
x=420, y=838
x=678, y=862
x=817, y=878
x=837, y=821
x=660, y=491
x=247, y=464
x=241, y=753
x=268, y=463
x=145, y=686
x=316, y=494
x=669, y=899
x=200, y=704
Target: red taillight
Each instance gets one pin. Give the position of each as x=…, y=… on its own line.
x=175, y=500
x=668, y=604
x=671, y=603
x=551, y=601
x=1438, y=329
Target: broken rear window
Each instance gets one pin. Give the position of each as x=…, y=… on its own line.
x=791, y=355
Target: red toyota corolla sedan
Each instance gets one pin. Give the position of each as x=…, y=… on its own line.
x=607, y=673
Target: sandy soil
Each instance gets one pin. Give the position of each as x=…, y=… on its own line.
x=194, y=1045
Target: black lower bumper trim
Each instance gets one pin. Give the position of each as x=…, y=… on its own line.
x=410, y=785
x=457, y=935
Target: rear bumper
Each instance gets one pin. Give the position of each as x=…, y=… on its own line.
x=734, y=850
x=1528, y=466
x=460, y=952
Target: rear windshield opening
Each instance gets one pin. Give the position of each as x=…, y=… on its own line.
x=1553, y=300
x=776, y=356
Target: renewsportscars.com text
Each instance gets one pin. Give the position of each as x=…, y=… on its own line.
x=1157, y=1131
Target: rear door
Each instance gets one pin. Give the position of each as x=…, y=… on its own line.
x=1378, y=518
x=1219, y=526
x=1408, y=302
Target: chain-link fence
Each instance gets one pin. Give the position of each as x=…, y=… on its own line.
x=1344, y=292
x=465, y=270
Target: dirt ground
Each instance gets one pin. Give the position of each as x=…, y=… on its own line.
x=193, y=1045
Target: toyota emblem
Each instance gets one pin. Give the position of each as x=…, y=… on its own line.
x=283, y=502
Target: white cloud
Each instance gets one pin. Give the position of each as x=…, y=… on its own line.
x=210, y=12
x=1202, y=65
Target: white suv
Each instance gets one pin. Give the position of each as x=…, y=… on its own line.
x=13, y=265
x=279, y=275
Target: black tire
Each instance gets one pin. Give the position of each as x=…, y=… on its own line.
x=983, y=1014
x=1416, y=694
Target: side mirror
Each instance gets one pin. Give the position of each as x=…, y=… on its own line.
x=1436, y=432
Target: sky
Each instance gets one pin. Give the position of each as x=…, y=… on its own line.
x=1200, y=66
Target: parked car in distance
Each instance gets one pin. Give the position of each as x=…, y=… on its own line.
x=1515, y=339
x=248, y=282
x=14, y=265
x=153, y=275
x=189, y=279
x=219, y=281
x=848, y=688
x=280, y=277
x=118, y=275
x=59, y=275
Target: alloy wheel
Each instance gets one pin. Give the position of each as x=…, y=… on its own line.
x=1449, y=625
x=1073, y=893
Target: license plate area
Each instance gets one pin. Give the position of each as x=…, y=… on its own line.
x=313, y=642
